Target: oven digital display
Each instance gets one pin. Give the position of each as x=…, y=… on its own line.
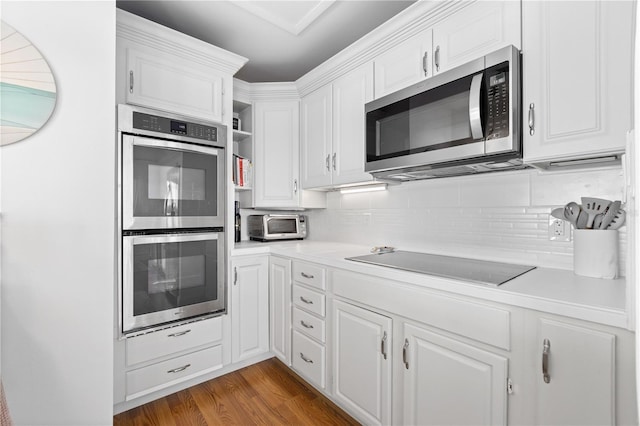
x=178, y=127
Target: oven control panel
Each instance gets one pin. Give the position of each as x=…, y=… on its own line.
x=169, y=126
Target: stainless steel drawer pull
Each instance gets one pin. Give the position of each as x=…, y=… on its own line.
x=130, y=81
x=532, y=120
x=424, y=62
x=383, y=345
x=305, y=359
x=179, y=369
x=305, y=325
x=546, y=346
x=181, y=333
x=405, y=355
x=437, y=58
x=307, y=301
x=306, y=275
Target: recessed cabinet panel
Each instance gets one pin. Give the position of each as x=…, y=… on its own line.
x=169, y=84
x=309, y=300
x=448, y=382
x=580, y=367
x=308, y=358
x=280, y=307
x=316, y=138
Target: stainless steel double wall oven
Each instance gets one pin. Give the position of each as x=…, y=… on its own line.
x=171, y=194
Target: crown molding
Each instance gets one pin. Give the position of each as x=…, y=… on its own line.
x=159, y=37
x=417, y=18
x=248, y=92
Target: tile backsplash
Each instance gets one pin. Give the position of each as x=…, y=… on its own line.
x=501, y=216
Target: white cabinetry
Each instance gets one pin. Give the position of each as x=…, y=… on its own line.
x=249, y=307
x=276, y=152
x=308, y=346
x=448, y=382
x=471, y=32
x=577, y=62
x=574, y=374
x=280, y=307
x=160, y=81
x=333, y=130
x=362, y=362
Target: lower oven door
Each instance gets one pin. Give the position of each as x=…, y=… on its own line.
x=170, y=277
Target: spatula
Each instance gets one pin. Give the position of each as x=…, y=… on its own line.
x=612, y=211
x=593, y=207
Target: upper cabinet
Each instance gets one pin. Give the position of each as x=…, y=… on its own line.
x=333, y=130
x=469, y=33
x=162, y=69
x=157, y=80
x=577, y=71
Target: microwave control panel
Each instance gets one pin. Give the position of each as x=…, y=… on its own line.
x=498, y=109
x=169, y=126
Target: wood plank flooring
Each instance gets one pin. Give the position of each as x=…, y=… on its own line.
x=267, y=393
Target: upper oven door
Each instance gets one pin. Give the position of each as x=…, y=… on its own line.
x=169, y=184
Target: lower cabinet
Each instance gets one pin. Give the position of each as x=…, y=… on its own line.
x=575, y=374
x=249, y=307
x=448, y=382
x=362, y=362
x=280, y=307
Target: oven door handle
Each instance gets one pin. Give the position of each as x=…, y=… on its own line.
x=475, y=119
x=180, y=146
x=172, y=238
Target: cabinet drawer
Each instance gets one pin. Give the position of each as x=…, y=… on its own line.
x=308, y=324
x=308, y=300
x=311, y=275
x=308, y=358
x=167, y=373
x=173, y=340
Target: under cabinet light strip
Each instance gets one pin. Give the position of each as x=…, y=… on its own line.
x=364, y=188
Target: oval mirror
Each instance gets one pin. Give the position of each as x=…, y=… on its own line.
x=27, y=87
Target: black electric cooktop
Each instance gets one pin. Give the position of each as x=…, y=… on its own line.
x=477, y=271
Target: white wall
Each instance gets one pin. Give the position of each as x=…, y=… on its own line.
x=499, y=216
x=58, y=207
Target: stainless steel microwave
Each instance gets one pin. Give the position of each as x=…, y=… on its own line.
x=463, y=121
x=272, y=227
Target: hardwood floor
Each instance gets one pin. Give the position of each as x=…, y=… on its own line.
x=267, y=393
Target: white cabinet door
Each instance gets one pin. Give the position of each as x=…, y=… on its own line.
x=448, y=382
x=276, y=154
x=280, y=307
x=362, y=362
x=162, y=82
x=580, y=363
x=404, y=64
x=350, y=93
x=316, y=138
x=577, y=62
x=474, y=31
x=249, y=307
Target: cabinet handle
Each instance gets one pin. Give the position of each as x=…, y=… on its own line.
x=295, y=186
x=235, y=276
x=532, y=120
x=181, y=333
x=305, y=325
x=327, y=163
x=437, y=59
x=179, y=369
x=306, y=275
x=333, y=161
x=305, y=359
x=307, y=301
x=424, y=63
x=405, y=355
x=546, y=346
x=130, y=81
x=383, y=345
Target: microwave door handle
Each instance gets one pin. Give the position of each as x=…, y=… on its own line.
x=474, y=107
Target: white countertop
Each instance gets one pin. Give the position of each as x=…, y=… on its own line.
x=555, y=291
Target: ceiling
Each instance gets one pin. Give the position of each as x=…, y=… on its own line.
x=283, y=40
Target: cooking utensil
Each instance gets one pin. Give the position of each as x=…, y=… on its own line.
x=583, y=218
x=558, y=213
x=597, y=221
x=618, y=220
x=571, y=213
x=593, y=207
x=612, y=211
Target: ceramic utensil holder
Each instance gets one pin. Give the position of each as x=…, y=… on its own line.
x=595, y=253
